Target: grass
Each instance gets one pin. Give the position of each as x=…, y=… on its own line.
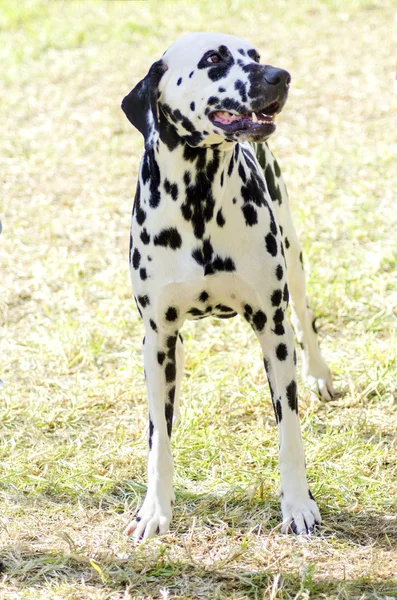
x=73, y=411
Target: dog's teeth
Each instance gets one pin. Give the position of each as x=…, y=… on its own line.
x=254, y=118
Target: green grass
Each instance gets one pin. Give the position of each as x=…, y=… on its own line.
x=73, y=412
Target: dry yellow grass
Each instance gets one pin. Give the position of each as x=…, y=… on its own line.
x=73, y=412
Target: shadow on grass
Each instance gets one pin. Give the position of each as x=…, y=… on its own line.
x=147, y=570
x=236, y=512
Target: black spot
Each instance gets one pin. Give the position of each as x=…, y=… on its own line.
x=171, y=341
x=294, y=357
x=267, y=368
x=195, y=312
x=234, y=200
x=220, y=219
x=277, y=169
x=279, y=411
x=170, y=372
x=174, y=191
x=241, y=51
x=281, y=352
x=222, y=179
x=143, y=343
x=168, y=238
x=276, y=297
x=254, y=190
x=197, y=254
x=273, y=226
x=145, y=172
x=241, y=172
x=224, y=308
x=153, y=325
x=229, y=264
x=169, y=411
x=254, y=55
x=212, y=100
x=273, y=188
x=179, y=81
x=242, y=90
x=221, y=89
x=301, y=258
x=145, y=237
x=154, y=199
x=171, y=352
x=142, y=274
x=171, y=395
x=292, y=396
x=286, y=293
x=250, y=214
x=314, y=325
x=136, y=258
x=279, y=272
x=231, y=166
x=131, y=246
x=137, y=305
x=278, y=319
x=248, y=309
x=228, y=315
x=192, y=106
x=203, y=296
x=151, y=428
x=160, y=357
x=171, y=188
x=144, y=301
x=271, y=244
x=191, y=74
x=171, y=314
x=259, y=320
x=261, y=155
x=198, y=207
x=168, y=133
x=207, y=251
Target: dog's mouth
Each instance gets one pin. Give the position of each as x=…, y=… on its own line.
x=255, y=122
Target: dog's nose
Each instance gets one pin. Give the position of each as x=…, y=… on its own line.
x=278, y=77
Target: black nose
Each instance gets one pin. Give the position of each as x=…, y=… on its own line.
x=279, y=77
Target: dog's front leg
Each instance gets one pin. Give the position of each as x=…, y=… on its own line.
x=299, y=510
x=160, y=360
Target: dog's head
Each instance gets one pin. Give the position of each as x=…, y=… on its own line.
x=208, y=88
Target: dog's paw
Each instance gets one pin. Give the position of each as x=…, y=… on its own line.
x=322, y=387
x=319, y=379
x=300, y=513
x=153, y=518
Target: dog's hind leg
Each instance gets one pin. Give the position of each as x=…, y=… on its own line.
x=315, y=370
x=180, y=363
x=163, y=361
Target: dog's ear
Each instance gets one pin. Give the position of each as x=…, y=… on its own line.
x=140, y=106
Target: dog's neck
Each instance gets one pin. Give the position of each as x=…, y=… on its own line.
x=175, y=155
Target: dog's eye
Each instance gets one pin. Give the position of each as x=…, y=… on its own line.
x=214, y=58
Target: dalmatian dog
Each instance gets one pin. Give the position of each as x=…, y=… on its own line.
x=212, y=234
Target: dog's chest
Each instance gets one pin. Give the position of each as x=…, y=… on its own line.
x=202, y=216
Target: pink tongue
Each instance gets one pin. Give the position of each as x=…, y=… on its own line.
x=224, y=118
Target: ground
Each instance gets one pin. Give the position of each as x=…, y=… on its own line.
x=73, y=410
